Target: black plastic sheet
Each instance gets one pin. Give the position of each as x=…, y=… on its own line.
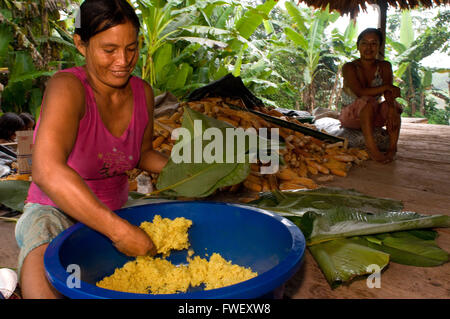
x=228, y=86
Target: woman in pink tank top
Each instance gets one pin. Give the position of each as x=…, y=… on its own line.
x=95, y=124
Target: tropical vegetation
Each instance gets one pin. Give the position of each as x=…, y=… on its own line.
x=288, y=56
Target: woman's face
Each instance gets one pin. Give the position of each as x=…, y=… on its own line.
x=369, y=46
x=111, y=55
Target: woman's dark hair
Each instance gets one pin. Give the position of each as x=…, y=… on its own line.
x=9, y=124
x=370, y=30
x=28, y=119
x=96, y=16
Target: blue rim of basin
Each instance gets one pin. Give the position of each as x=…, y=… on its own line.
x=256, y=287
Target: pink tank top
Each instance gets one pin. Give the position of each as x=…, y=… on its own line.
x=100, y=158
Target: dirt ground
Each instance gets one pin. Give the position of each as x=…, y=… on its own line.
x=420, y=178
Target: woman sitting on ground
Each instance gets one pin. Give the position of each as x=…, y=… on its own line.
x=96, y=123
x=366, y=81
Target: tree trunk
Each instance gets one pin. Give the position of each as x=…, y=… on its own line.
x=338, y=97
x=422, y=104
x=411, y=92
x=46, y=49
x=382, y=16
x=333, y=91
x=312, y=104
x=305, y=98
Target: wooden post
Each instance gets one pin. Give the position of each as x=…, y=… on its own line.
x=382, y=14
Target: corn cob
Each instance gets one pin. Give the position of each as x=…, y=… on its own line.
x=308, y=160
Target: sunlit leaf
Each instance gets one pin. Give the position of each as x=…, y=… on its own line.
x=13, y=194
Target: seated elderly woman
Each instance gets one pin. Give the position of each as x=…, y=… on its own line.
x=366, y=81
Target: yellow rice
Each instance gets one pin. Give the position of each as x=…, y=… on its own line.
x=159, y=276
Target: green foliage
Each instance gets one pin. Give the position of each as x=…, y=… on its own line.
x=13, y=194
x=438, y=116
x=407, y=54
x=33, y=44
x=283, y=55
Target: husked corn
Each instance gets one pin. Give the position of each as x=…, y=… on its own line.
x=305, y=156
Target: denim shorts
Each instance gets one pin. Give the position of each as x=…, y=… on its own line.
x=39, y=225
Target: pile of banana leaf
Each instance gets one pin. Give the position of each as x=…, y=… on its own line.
x=347, y=231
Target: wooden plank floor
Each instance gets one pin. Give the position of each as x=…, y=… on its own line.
x=420, y=178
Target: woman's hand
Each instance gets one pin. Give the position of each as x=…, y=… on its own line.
x=393, y=90
x=133, y=241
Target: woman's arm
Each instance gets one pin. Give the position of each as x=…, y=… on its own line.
x=151, y=160
x=392, y=92
x=62, y=109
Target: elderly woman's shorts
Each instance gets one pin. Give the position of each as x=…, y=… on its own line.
x=349, y=115
x=39, y=225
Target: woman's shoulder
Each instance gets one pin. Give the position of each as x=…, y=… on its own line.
x=384, y=64
x=64, y=88
x=350, y=68
x=64, y=79
x=352, y=64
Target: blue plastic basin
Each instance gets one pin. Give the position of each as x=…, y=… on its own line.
x=268, y=243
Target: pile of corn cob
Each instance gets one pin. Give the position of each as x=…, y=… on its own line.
x=308, y=160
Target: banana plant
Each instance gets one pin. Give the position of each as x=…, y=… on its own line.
x=188, y=46
x=344, y=47
x=312, y=45
x=426, y=86
x=408, y=53
x=164, y=39
x=157, y=25
x=32, y=43
x=407, y=39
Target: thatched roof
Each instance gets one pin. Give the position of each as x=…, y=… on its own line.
x=354, y=6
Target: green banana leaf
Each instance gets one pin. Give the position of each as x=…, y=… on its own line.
x=343, y=260
x=347, y=231
x=6, y=36
x=330, y=213
x=194, y=177
x=413, y=248
x=13, y=194
x=251, y=19
x=296, y=203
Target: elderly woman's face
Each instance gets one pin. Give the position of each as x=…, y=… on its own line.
x=113, y=54
x=369, y=46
